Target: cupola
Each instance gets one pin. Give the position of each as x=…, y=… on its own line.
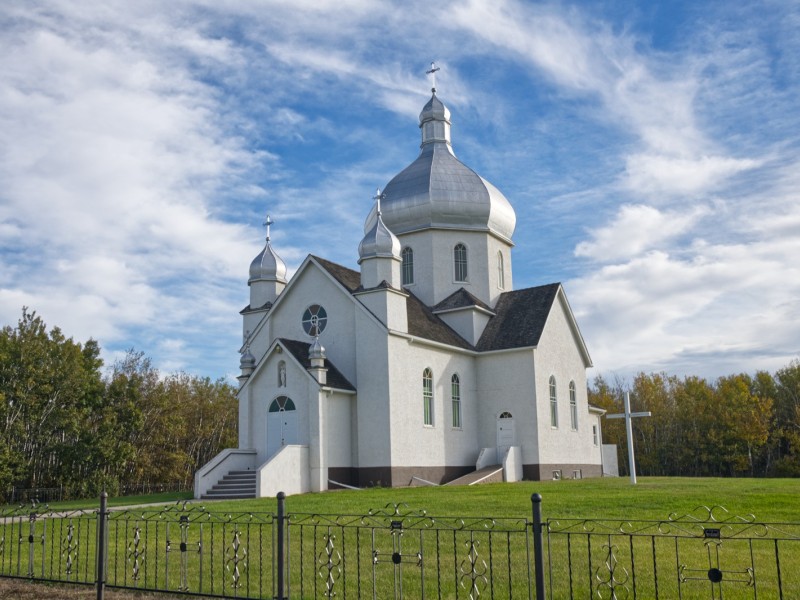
x=379, y=253
x=267, y=275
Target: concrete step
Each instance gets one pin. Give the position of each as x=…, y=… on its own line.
x=233, y=485
x=233, y=488
x=490, y=474
x=221, y=494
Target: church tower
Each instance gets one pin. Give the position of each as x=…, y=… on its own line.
x=454, y=227
x=267, y=280
x=379, y=257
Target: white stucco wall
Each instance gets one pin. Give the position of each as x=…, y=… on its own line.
x=316, y=287
x=339, y=423
x=434, y=274
x=558, y=355
x=263, y=389
x=373, y=430
x=507, y=383
x=469, y=323
x=414, y=443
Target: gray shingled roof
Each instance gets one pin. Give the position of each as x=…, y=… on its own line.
x=520, y=318
x=300, y=351
x=461, y=298
x=347, y=277
x=421, y=320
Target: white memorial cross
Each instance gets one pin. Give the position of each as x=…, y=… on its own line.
x=627, y=415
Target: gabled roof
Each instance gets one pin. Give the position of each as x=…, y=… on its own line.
x=520, y=318
x=349, y=278
x=299, y=350
x=461, y=298
x=421, y=320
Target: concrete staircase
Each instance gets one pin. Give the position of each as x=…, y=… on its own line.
x=490, y=474
x=236, y=484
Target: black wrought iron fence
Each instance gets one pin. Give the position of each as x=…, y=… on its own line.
x=400, y=552
x=705, y=554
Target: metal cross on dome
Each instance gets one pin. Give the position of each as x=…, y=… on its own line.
x=378, y=197
x=432, y=73
x=246, y=341
x=267, y=223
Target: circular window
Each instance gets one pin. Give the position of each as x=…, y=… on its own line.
x=314, y=320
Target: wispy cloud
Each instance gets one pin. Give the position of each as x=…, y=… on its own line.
x=141, y=144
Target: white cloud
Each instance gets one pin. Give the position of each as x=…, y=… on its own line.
x=655, y=175
x=636, y=229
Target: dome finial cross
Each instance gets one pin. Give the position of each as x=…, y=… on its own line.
x=378, y=197
x=432, y=73
x=267, y=223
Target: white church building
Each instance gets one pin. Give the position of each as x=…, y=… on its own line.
x=423, y=366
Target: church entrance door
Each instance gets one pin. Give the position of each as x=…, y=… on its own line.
x=505, y=434
x=281, y=424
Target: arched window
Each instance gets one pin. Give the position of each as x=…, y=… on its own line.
x=553, y=403
x=407, y=255
x=427, y=397
x=573, y=406
x=501, y=277
x=281, y=404
x=460, y=262
x=455, y=393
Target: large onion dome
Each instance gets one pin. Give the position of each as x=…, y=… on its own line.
x=438, y=191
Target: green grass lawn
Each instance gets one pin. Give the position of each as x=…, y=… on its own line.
x=651, y=498
x=151, y=538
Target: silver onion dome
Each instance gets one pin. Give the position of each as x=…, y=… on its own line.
x=247, y=360
x=378, y=240
x=267, y=266
x=439, y=191
x=316, y=350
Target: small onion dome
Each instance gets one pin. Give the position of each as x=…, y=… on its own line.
x=434, y=110
x=379, y=241
x=267, y=266
x=248, y=361
x=316, y=350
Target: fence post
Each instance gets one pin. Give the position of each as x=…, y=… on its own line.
x=538, y=548
x=281, y=549
x=102, y=545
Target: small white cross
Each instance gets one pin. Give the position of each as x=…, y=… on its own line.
x=627, y=415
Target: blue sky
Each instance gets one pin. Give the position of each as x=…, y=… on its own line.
x=650, y=150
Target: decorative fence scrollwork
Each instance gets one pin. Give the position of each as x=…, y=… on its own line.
x=399, y=552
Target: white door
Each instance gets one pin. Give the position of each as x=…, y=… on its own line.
x=281, y=424
x=505, y=434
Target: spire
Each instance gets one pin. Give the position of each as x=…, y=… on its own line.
x=317, y=350
x=379, y=241
x=434, y=120
x=268, y=266
x=432, y=73
x=248, y=361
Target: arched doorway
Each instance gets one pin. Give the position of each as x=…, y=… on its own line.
x=506, y=437
x=281, y=424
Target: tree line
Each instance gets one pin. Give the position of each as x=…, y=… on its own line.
x=738, y=425
x=66, y=422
